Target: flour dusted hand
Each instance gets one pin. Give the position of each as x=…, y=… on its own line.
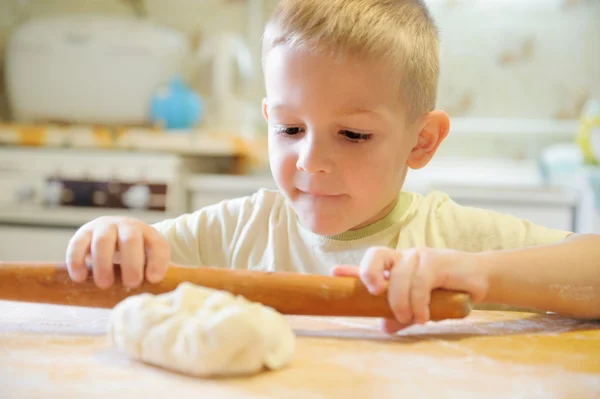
x=202, y=332
x=140, y=250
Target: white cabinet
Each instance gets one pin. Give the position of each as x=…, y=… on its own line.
x=204, y=190
x=547, y=206
x=553, y=208
x=554, y=217
x=34, y=243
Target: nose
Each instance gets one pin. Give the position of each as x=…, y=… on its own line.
x=313, y=156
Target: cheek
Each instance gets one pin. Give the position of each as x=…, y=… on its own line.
x=377, y=172
x=282, y=161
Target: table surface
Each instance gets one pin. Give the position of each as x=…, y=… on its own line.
x=57, y=351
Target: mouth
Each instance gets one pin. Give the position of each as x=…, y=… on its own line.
x=319, y=194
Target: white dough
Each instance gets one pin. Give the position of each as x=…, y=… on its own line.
x=202, y=332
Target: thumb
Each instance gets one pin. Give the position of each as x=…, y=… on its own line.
x=345, y=271
x=391, y=326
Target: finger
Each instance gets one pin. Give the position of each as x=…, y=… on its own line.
x=391, y=326
x=104, y=242
x=399, y=290
x=345, y=271
x=131, y=255
x=420, y=294
x=373, y=266
x=158, y=255
x=77, y=251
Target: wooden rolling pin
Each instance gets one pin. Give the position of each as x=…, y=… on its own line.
x=288, y=293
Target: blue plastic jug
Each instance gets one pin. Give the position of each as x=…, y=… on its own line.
x=176, y=106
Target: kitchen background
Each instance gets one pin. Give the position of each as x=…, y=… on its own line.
x=152, y=108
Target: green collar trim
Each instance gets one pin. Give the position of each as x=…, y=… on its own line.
x=395, y=215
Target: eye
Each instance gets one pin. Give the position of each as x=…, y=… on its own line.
x=288, y=131
x=356, y=137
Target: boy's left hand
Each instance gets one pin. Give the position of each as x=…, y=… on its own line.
x=409, y=276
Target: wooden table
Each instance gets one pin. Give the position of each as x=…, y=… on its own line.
x=62, y=352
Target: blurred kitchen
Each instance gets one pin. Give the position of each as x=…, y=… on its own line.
x=152, y=108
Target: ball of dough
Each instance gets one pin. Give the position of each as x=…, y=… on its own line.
x=202, y=332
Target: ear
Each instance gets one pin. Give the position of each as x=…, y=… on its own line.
x=433, y=129
x=264, y=109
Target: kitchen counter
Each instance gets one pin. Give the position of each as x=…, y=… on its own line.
x=494, y=180
x=516, y=179
x=71, y=217
x=506, y=186
x=57, y=352
x=475, y=180
x=488, y=172
x=82, y=138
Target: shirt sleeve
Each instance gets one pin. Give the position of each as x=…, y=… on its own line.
x=208, y=236
x=476, y=230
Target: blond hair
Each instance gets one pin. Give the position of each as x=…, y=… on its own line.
x=400, y=31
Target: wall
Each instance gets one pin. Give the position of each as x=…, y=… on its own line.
x=194, y=18
x=515, y=58
x=499, y=58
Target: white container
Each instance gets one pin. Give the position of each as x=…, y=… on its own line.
x=589, y=208
x=89, y=69
x=560, y=164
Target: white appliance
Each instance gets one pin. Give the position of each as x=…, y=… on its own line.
x=46, y=195
x=90, y=69
x=231, y=78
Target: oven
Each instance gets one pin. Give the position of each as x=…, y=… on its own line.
x=47, y=194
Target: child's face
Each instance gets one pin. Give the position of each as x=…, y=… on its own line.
x=338, y=141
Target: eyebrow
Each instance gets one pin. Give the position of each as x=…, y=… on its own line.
x=358, y=111
x=343, y=111
x=280, y=106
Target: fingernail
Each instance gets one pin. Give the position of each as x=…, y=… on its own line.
x=374, y=289
x=154, y=276
x=105, y=282
x=78, y=274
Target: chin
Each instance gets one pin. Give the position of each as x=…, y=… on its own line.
x=323, y=228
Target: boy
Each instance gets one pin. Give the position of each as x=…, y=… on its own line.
x=351, y=88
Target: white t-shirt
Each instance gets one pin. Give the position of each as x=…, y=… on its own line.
x=262, y=232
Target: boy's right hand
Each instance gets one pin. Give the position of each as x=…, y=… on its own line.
x=139, y=249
